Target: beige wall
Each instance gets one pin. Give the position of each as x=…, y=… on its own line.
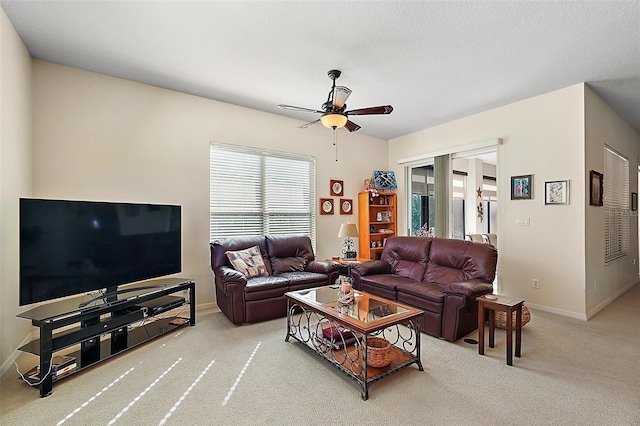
x=556, y=136
x=15, y=179
x=542, y=136
x=102, y=138
x=604, y=127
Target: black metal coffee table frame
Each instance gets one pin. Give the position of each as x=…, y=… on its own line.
x=306, y=320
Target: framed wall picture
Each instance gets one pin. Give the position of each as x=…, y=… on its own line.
x=634, y=201
x=346, y=206
x=521, y=187
x=384, y=179
x=595, y=188
x=336, y=187
x=556, y=192
x=326, y=205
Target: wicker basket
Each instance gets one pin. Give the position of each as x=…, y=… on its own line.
x=378, y=352
x=501, y=318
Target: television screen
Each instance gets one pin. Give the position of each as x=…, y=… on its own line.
x=72, y=247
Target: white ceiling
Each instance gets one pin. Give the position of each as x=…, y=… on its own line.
x=433, y=61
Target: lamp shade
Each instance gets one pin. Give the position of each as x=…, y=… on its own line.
x=340, y=95
x=348, y=230
x=333, y=120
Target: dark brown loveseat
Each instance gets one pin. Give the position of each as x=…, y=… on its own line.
x=441, y=276
x=290, y=265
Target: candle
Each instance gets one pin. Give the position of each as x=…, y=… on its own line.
x=346, y=287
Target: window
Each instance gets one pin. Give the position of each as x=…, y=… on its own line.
x=260, y=192
x=616, y=205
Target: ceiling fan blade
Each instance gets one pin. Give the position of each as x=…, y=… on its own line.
x=351, y=126
x=295, y=108
x=340, y=96
x=309, y=124
x=384, y=109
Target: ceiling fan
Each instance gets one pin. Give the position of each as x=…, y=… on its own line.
x=333, y=111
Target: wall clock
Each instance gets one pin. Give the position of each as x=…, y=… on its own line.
x=326, y=206
x=336, y=187
x=346, y=206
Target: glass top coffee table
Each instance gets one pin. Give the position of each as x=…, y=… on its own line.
x=340, y=332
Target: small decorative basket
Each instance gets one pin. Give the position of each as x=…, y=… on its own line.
x=378, y=352
x=501, y=318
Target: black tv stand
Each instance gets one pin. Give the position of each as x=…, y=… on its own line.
x=110, y=296
x=103, y=330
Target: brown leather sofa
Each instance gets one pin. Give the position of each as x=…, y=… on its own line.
x=290, y=263
x=441, y=276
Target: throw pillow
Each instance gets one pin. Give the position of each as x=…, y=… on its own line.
x=248, y=261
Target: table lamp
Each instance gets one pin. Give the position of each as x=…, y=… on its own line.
x=348, y=231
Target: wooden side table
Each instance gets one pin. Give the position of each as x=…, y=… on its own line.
x=508, y=305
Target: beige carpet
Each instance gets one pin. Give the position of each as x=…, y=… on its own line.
x=571, y=373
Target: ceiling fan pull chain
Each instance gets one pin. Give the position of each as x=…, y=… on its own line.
x=335, y=141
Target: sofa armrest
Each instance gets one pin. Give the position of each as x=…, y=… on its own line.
x=227, y=275
x=371, y=267
x=473, y=287
x=322, y=266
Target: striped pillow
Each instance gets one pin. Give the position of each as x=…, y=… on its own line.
x=248, y=261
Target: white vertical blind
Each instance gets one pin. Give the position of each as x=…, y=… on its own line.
x=616, y=205
x=260, y=192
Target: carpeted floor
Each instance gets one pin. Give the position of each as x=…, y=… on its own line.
x=571, y=373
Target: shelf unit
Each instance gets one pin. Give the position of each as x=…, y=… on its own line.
x=104, y=328
x=375, y=215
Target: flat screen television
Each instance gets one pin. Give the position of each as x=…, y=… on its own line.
x=73, y=247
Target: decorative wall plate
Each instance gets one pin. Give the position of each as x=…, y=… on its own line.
x=336, y=187
x=326, y=206
x=346, y=206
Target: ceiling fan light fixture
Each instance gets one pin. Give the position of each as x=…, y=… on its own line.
x=340, y=95
x=333, y=120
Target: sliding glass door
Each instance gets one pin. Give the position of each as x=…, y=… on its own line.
x=422, y=214
x=454, y=195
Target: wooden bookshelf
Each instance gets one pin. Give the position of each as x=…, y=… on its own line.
x=377, y=221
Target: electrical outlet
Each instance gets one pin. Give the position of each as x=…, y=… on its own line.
x=535, y=283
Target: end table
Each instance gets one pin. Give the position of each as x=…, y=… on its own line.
x=508, y=305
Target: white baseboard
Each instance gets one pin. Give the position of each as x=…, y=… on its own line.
x=610, y=299
x=207, y=306
x=592, y=312
x=560, y=312
x=6, y=366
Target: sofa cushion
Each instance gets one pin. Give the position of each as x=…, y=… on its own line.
x=385, y=281
x=270, y=283
x=407, y=256
x=427, y=305
x=280, y=265
x=298, y=278
x=423, y=290
x=248, y=261
x=289, y=253
x=458, y=260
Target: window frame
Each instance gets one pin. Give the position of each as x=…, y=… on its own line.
x=256, y=191
x=616, y=205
